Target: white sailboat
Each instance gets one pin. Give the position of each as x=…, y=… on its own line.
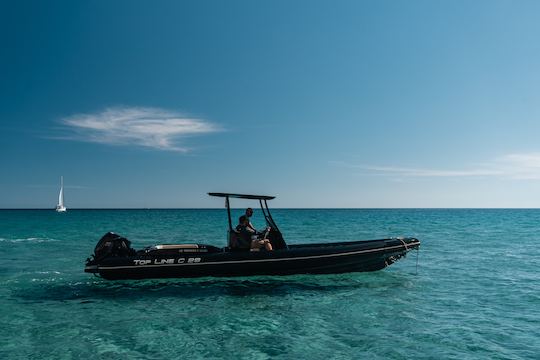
x=60, y=207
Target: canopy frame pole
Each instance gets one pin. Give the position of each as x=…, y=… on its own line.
x=273, y=223
x=266, y=217
x=228, y=212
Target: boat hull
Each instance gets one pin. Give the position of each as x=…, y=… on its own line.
x=330, y=258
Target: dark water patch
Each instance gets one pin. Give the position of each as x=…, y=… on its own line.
x=207, y=287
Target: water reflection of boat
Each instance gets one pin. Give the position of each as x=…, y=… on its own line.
x=114, y=258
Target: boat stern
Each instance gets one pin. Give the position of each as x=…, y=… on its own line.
x=91, y=269
x=91, y=266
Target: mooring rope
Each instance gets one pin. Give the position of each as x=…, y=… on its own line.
x=407, y=249
x=404, y=244
x=417, y=251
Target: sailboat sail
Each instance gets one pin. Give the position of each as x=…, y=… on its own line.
x=60, y=207
x=61, y=195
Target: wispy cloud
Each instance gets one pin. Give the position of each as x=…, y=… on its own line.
x=38, y=186
x=140, y=126
x=520, y=166
x=514, y=166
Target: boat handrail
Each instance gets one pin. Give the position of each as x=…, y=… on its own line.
x=176, y=246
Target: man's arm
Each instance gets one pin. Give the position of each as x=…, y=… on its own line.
x=251, y=227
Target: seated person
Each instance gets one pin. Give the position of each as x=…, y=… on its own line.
x=247, y=234
x=242, y=240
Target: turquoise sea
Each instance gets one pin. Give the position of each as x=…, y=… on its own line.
x=474, y=295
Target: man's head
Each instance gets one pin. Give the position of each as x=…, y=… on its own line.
x=243, y=220
x=249, y=212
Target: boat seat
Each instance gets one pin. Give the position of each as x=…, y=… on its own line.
x=235, y=241
x=178, y=246
x=234, y=236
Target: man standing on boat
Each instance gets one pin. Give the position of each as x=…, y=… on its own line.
x=250, y=227
x=249, y=213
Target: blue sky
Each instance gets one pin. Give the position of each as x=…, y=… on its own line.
x=322, y=103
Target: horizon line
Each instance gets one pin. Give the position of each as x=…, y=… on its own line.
x=286, y=208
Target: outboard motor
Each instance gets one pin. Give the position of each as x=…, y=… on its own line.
x=112, y=245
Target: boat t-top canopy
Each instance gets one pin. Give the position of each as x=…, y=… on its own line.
x=274, y=233
x=242, y=196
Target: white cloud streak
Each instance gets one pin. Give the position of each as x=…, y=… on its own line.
x=77, y=187
x=139, y=126
x=512, y=166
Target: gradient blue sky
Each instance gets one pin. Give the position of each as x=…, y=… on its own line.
x=323, y=103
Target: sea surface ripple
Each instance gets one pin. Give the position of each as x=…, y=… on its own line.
x=474, y=295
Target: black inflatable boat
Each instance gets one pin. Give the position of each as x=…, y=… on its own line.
x=114, y=258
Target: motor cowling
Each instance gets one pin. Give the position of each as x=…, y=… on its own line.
x=112, y=245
